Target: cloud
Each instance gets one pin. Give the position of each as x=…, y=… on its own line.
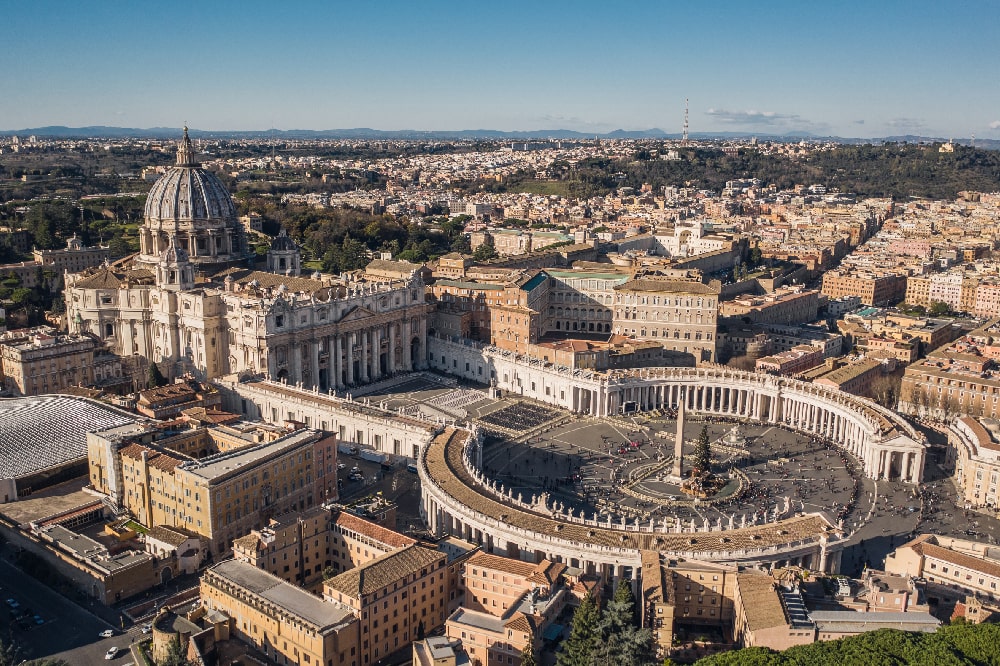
x=995, y=124
x=906, y=123
x=766, y=119
x=858, y=122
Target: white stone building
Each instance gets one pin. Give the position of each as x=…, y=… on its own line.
x=191, y=300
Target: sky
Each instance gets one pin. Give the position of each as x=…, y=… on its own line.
x=851, y=69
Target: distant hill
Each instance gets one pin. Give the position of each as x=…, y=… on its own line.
x=361, y=133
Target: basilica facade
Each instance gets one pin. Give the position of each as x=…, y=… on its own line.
x=193, y=302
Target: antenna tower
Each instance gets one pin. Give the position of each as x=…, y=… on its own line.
x=684, y=134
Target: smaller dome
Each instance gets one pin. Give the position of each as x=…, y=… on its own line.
x=283, y=243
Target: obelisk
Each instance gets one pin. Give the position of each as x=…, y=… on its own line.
x=679, y=438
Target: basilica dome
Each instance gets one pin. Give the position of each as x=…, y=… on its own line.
x=189, y=206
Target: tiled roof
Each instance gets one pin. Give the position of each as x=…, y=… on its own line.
x=942, y=554
x=373, y=531
x=105, y=278
x=155, y=459
x=248, y=542
x=384, y=571
x=167, y=535
x=269, y=280
x=498, y=563
x=760, y=602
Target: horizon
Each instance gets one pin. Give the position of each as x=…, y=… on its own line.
x=850, y=71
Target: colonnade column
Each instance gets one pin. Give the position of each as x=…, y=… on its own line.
x=337, y=362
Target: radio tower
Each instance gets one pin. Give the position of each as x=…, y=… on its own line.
x=684, y=134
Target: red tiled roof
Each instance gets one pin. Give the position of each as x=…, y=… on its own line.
x=376, y=532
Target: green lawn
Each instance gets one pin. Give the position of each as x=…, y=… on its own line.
x=544, y=187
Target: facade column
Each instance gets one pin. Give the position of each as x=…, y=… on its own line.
x=421, y=361
x=392, y=348
x=364, y=355
x=407, y=336
x=349, y=340
x=296, y=363
x=336, y=364
x=314, y=363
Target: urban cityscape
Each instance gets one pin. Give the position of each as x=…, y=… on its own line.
x=721, y=393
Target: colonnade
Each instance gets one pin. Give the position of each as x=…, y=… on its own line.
x=352, y=357
x=886, y=446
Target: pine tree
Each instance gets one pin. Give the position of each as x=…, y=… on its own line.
x=10, y=653
x=528, y=655
x=702, y=452
x=156, y=377
x=622, y=643
x=579, y=648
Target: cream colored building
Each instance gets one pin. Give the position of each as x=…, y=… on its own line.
x=952, y=567
x=395, y=597
x=290, y=625
x=218, y=487
x=46, y=362
x=974, y=454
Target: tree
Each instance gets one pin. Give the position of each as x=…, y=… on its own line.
x=885, y=390
x=622, y=643
x=580, y=647
x=938, y=308
x=702, y=452
x=10, y=653
x=486, y=251
x=156, y=377
x=528, y=654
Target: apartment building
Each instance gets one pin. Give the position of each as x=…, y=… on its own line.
x=787, y=305
x=952, y=567
x=395, y=597
x=680, y=594
x=508, y=604
x=195, y=482
x=787, y=363
x=854, y=378
x=288, y=624
x=878, y=289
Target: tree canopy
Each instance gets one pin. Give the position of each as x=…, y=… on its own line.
x=954, y=645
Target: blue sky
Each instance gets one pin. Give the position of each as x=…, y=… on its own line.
x=845, y=68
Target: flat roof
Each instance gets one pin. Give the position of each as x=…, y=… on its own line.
x=40, y=432
x=219, y=464
x=478, y=620
x=290, y=597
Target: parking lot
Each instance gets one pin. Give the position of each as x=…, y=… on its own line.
x=67, y=632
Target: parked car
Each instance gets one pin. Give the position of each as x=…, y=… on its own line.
x=38, y=619
x=12, y=602
x=111, y=653
x=107, y=633
x=147, y=628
